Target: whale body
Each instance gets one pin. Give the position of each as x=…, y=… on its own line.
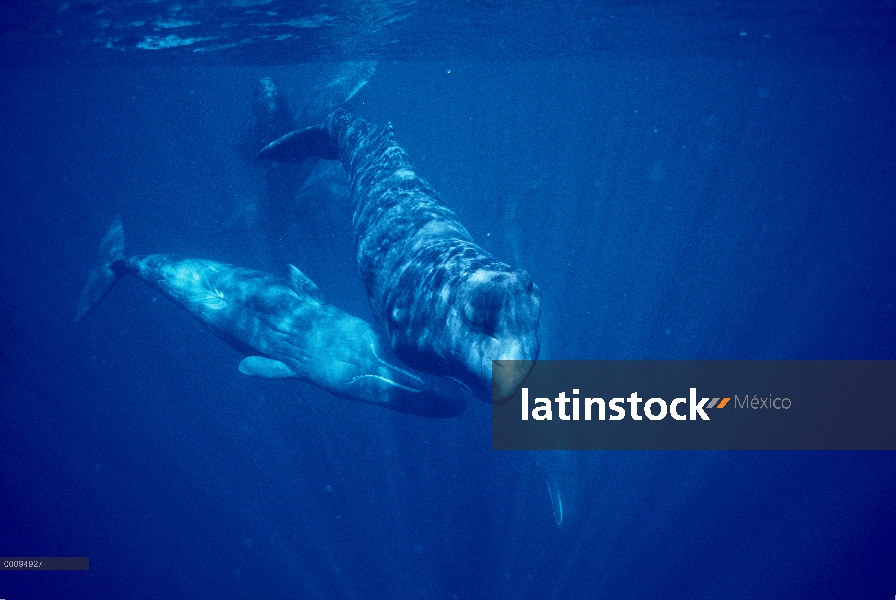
x=284, y=326
x=448, y=306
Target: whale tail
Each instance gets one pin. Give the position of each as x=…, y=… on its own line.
x=296, y=146
x=104, y=276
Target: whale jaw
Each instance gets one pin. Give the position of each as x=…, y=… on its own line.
x=501, y=365
x=495, y=330
x=507, y=375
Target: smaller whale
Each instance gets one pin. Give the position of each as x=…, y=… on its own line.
x=285, y=327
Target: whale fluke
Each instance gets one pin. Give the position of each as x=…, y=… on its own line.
x=104, y=276
x=299, y=145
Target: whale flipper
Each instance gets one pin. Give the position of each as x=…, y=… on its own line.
x=261, y=366
x=303, y=286
x=103, y=277
x=299, y=145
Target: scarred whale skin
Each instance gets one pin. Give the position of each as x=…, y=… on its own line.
x=449, y=307
x=284, y=326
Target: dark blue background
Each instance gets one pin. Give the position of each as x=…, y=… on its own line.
x=669, y=206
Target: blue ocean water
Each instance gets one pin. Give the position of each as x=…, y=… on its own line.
x=681, y=182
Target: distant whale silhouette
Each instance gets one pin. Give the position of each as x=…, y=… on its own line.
x=449, y=307
x=269, y=215
x=284, y=326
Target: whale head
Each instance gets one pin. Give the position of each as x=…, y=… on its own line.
x=496, y=317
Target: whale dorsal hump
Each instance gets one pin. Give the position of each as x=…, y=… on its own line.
x=261, y=366
x=303, y=286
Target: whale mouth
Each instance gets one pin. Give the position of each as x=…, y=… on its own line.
x=403, y=390
x=390, y=375
x=385, y=380
x=507, y=376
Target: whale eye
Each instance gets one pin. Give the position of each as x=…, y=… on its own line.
x=525, y=281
